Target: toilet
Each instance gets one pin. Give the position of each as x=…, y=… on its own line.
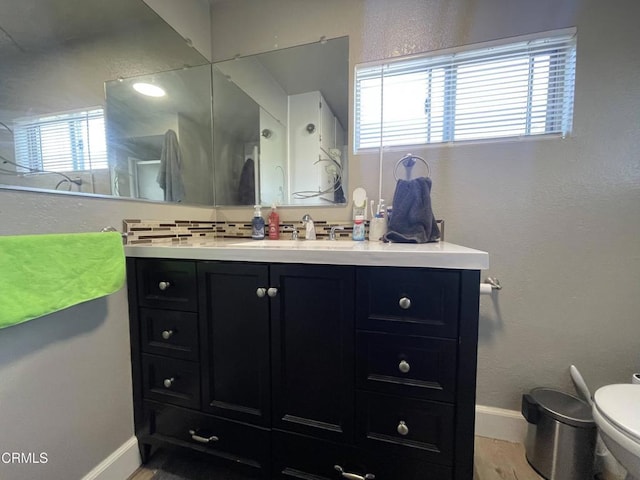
x=616, y=411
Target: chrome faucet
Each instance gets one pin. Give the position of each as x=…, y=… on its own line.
x=332, y=233
x=310, y=228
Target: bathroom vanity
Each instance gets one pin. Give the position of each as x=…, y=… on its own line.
x=309, y=360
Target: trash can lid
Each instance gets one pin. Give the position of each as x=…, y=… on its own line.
x=563, y=407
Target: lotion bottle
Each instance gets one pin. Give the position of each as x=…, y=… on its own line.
x=257, y=224
x=274, y=224
x=358, y=228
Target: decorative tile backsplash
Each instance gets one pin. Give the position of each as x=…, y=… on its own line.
x=177, y=231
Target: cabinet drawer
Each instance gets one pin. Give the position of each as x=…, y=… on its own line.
x=301, y=457
x=169, y=284
x=413, y=301
x=170, y=333
x=304, y=457
x=231, y=440
x=399, y=426
x=172, y=381
x=399, y=467
x=407, y=366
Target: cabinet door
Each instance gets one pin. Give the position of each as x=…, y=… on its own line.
x=312, y=318
x=235, y=348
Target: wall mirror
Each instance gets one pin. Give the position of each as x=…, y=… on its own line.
x=70, y=120
x=56, y=56
x=274, y=133
x=280, y=126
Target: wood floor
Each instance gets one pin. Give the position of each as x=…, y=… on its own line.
x=494, y=460
x=498, y=460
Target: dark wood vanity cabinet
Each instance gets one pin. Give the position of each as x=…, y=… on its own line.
x=299, y=371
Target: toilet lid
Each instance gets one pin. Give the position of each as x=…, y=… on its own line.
x=620, y=404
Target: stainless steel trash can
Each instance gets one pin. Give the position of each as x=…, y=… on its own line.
x=561, y=435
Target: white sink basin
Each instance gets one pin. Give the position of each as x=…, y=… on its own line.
x=296, y=244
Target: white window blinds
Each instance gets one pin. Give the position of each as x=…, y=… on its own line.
x=64, y=142
x=517, y=89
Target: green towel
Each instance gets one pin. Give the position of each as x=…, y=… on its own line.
x=41, y=274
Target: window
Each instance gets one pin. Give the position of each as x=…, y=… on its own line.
x=484, y=92
x=64, y=142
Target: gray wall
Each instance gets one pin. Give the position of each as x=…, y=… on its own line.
x=560, y=218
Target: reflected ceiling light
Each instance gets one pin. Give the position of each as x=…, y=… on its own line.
x=149, y=90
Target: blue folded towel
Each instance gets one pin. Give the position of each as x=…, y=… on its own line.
x=412, y=220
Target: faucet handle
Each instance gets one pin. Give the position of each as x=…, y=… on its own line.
x=332, y=233
x=294, y=232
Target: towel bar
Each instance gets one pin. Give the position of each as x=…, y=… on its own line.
x=113, y=229
x=494, y=282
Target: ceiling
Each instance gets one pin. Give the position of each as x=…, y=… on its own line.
x=37, y=25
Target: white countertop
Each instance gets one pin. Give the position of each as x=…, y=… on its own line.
x=343, y=252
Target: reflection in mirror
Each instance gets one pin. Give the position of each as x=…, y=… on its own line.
x=279, y=120
x=284, y=141
x=159, y=136
x=236, y=122
x=56, y=56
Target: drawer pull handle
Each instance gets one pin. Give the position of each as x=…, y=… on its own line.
x=402, y=428
x=168, y=382
x=404, y=366
x=164, y=285
x=167, y=334
x=261, y=292
x=353, y=476
x=272, y=292
x=405, y=303
x=200, y=439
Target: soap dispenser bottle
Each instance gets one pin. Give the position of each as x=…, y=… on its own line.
x=274, y=224
x=257, y=224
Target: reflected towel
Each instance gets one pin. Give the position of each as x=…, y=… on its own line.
x=170, y=173
x=412, y=220
x=247, y=185
x=41, y=274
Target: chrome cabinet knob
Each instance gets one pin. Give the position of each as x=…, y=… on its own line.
x=404, y=366
x=353, y=476
x=272, y=292
x=405, y=303
x=402, y=428
x=201, y=439
x=164, y=285
x=261, y=292
x=168, y=382
x=167, y=334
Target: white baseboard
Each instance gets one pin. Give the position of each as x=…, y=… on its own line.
x=501, y=424
x=119, y=465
